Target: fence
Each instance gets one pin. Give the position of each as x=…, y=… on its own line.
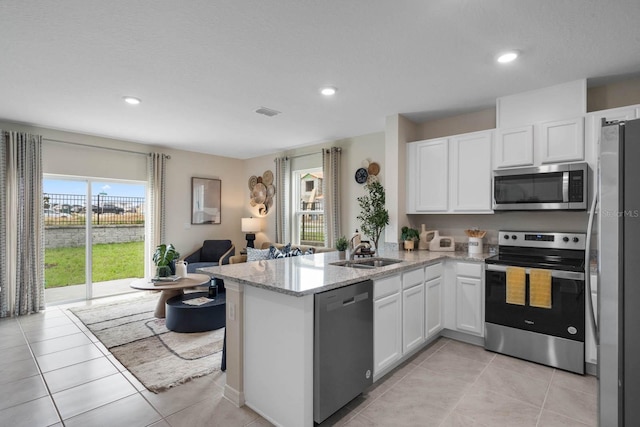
x=71, y=209
x=311, y=222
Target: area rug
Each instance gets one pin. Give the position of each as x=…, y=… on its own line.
x=156, y=356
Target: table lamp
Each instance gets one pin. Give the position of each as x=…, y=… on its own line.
x=250, y=226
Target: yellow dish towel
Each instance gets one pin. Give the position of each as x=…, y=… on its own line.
x=516, y=281
x=540, y=288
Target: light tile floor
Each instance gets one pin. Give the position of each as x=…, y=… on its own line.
x=54, y=372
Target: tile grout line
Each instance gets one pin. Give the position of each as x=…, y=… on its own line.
x=467, y=391
x=359, y=412
x=41, y=374
x=67, y=313
x=544, y=401
x=106, y=356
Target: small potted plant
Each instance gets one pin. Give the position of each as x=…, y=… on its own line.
x=341, y=246
x=409, y=235
x=165, y=258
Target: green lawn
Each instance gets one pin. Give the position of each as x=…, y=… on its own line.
x=65, y=266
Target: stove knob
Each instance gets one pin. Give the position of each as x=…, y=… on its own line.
x=506, y=236
x=514, y=237
x=565, y=239
x=576, y=240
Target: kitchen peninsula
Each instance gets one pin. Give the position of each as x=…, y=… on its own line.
x=270, y=324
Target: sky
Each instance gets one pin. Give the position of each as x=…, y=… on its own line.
x=57, y=186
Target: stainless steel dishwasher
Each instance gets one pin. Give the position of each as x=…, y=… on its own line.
x=342, y=347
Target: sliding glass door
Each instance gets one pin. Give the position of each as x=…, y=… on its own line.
x=94, y=237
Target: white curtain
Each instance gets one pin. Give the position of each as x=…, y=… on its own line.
x=156, y=178
x=282, y=199
x=331, y=192
x=21, y=224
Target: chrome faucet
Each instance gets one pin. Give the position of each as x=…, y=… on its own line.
x=360, y=245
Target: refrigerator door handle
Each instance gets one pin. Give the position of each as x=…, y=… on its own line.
x=587, y=268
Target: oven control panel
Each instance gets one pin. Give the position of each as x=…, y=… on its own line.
x=542, y=239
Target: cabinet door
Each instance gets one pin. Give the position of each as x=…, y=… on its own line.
x=562, y=141
x=433, y=304
x=469, y=304
x=431, y=176
x=412, y=318
x=470, y=180
x=387, y=331
x=514, y=147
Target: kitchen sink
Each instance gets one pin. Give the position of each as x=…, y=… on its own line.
x=367, y=263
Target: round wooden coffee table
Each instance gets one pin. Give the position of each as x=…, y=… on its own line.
x=170, y=289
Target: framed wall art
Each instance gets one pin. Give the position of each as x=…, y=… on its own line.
x=205, y=200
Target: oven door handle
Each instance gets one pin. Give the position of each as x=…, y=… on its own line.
x=559, y=274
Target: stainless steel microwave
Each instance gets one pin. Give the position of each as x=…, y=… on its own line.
x=550, y=187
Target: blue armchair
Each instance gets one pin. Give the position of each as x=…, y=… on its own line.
x=212, y=253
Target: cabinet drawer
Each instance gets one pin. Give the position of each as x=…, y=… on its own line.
x=412, y=278
x=469, y=269
x=385, y=286
x=433, y=271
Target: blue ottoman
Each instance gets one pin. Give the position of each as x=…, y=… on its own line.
x=181, y=317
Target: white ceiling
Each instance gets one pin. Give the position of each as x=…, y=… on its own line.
x=202, y=67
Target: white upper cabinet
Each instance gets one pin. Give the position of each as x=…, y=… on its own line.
x=450, y=175
x=538, y=127
x=557, y=141
x=427, y=175
x=562, y=141
x=470, y=179
x=514, y=147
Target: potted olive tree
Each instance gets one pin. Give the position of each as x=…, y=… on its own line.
x=373, y=215
x=165, y=258
x=409, y=235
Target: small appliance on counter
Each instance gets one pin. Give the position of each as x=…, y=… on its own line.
x=441, y=243
x=426, y=236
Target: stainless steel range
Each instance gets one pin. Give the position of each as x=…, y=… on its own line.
x=529, y=318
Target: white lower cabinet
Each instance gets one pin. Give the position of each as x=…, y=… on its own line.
x=412, y=309
x=469, y=298
x=433, y=314
x=434, y=299
x=414, y=306
x=387, y=323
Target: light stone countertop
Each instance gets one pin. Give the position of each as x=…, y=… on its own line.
x=311, y=274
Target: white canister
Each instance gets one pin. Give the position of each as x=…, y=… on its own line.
x=475, y=245
x=181, y=268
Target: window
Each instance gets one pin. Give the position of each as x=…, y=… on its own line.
x=308, y=207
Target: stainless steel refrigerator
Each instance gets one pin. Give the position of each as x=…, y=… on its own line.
x=619, y=274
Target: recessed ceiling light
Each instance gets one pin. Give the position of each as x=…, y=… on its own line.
x=507, y=57
x=328, y=91
x=131, y=100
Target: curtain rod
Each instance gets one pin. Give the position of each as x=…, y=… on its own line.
x=99, y=147
x=308, y=154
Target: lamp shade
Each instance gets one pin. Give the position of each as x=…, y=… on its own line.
x=250, y=225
